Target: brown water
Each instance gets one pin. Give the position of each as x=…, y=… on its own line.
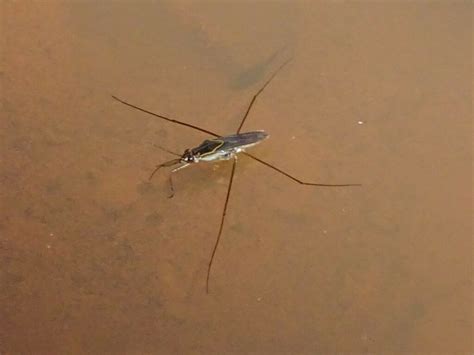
x=94, y=259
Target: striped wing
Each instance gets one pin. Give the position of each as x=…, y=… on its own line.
x=242, y=139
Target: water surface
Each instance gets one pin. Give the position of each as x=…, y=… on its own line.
x=95, y=259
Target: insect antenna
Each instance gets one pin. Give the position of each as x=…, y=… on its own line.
x=221, y=226
x=163, y=165
x=166, y=118
x=258, y=93
x=166, y=150
x=292, y=177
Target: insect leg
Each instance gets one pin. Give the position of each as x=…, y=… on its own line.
x=171, y=186
x=171, y=178
x=224, y=211
x=258, y=93
x=292, y=177
x=164, y=165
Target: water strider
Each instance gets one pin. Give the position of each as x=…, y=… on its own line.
x=222, y=148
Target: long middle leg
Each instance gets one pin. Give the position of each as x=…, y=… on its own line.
x=224, y=211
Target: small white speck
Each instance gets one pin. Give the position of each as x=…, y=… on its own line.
x=293, y=138
x=51, y=234
x=360, y=122
x=259, y=299
x=48, y=246
x=325, y=232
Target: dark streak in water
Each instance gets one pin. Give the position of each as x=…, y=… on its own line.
x=254, y=74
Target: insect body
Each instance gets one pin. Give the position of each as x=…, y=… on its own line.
x=222, y=147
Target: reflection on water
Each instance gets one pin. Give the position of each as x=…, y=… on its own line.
x=97, y=259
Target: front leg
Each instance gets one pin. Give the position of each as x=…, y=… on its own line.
x=171, y=195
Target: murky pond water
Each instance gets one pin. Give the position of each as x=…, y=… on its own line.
x=96, y=259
